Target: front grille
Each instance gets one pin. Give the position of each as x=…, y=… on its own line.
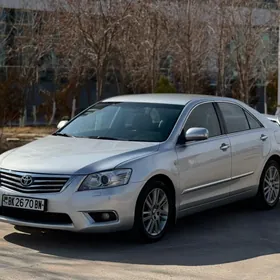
x=41, y=183
x=35, y=217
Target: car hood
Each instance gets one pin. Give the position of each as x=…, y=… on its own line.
x=61, y=155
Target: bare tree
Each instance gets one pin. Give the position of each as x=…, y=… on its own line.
x=91, y=28
x=28, y=41
x=70, y=75
x=190, y=35
x=219, y=45
x=11, y=98
x=138, y=41
x=11, y=101
x=251, y=48
x=75, y=69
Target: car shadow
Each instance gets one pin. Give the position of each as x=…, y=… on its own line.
x=223, y=235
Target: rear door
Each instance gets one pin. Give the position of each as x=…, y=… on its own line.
x=250, y=143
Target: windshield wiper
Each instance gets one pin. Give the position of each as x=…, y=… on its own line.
x=62, y=134
x=106, y=138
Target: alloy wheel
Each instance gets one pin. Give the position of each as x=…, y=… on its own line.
x=271, y=184
x=155, y=212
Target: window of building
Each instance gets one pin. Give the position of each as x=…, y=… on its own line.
x=23, y=17
x=2, y=29
x=2, y=14
x=2, y=53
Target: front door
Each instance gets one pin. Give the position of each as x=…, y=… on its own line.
x=204, y=166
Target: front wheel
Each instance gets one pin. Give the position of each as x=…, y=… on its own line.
x=269, y=188
x=154, y=211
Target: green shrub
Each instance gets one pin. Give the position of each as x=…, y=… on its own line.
x=164, y=86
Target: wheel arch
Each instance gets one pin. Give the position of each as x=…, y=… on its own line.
x=260, y=199
x=167, y=181
x=274, y=157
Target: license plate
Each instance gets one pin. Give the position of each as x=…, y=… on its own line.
x=24, y=202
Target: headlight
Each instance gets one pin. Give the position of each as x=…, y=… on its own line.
x=107, y=179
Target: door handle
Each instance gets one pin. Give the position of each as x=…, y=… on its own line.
x=263, y=137
x=224, y=147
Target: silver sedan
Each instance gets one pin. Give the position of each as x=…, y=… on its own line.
x=141, y=162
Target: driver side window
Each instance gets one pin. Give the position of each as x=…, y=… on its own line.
x=205, y=116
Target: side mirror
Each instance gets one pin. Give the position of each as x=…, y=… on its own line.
x=61, y=124
x=196, y=134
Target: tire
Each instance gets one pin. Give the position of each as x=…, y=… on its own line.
x=269, y=190
x=151, y=223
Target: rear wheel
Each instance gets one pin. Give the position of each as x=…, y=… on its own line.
x=269, y=188
x=154, y=211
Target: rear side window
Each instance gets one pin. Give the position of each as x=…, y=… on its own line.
x=235, y=118
x=254, y=124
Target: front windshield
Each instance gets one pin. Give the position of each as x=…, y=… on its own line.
x=126, y=121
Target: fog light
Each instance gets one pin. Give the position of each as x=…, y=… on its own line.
x=103, y=217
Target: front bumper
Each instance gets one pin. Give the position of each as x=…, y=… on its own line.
x=78, y=205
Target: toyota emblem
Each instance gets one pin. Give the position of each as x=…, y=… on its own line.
x=26, y=180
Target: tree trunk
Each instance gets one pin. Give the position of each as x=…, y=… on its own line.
x=34, y=113
x=118, y=82
x=22, y=119
x=99, y=87
x=247, y=93
x=189, y=50
x=73, y=107
x=221, y=67
x=53, y=113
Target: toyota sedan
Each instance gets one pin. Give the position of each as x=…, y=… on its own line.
x=141, y=162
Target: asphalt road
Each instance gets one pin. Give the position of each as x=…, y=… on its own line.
x=234, y=242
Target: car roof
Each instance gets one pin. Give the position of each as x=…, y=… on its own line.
x=164, y=98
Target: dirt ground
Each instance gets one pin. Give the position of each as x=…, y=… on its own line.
x=12, y=137
x=32, y=130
